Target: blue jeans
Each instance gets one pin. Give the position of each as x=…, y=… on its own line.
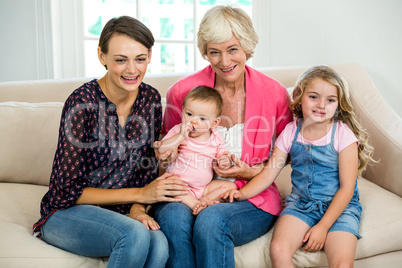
x=208, y=240
x=96, y=232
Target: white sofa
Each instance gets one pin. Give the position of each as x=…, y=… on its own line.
x=29, y=121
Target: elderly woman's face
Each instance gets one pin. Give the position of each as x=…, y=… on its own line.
x=227, y=59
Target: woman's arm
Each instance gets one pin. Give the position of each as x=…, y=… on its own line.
x=166, y=188
x=263, y=180
x=348, y=163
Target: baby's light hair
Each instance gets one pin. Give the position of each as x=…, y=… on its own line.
x=206, y=94
x=344, y=113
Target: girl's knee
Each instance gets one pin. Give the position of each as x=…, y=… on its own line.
x=279, y=250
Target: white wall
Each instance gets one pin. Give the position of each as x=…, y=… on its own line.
x=292, y=32
x=367, y=32
x=26, y=47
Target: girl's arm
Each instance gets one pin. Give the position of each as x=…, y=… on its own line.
x=348, y=164
x=166, y=188
x=263, y=180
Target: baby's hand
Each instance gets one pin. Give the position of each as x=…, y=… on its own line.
x=186, y=129
x=224, y=161
x=231, y=195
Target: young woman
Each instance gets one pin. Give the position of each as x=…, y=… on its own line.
x=104, y=168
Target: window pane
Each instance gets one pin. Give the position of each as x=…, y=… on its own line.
x=171, y=19
x=98, y=12
x=167, y=58
x=93, y=68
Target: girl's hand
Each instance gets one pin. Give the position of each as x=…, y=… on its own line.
x=231, y=195
x=140, y=215
x=166, y=188
x=315, y=238
x=240, y=170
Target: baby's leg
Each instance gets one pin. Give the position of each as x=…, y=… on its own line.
x=215, y=189
x=190, y=201
x=340, y=248
x=286, y=239
x=212, y=193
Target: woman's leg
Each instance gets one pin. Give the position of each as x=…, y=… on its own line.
x=97, y=232
x=176, y=221
x=340, y=248
x=221, y=227
x=287, y=238
x=158, y=251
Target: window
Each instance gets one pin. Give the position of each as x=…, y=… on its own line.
x=174, y=24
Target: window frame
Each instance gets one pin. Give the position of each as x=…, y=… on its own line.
x=68, y=36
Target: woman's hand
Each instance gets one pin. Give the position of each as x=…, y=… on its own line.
x=224, y=161
x=240, y=170
x=166, y=188
x=137, y=212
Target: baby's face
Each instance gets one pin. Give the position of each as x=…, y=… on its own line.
x=201, y=115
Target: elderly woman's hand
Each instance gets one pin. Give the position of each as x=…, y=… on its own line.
x=240, y=170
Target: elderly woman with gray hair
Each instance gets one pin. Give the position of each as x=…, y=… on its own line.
x=255, y=110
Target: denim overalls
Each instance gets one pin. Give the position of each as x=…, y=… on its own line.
x=315, y=181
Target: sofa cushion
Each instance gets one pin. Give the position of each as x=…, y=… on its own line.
x=28, y=140
x=380, y=228
x=18, y=247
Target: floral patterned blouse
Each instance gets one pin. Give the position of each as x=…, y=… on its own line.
x=95, y=151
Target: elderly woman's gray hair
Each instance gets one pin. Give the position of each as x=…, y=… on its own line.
x=221, y=22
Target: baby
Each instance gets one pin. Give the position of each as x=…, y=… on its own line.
x=197, y=143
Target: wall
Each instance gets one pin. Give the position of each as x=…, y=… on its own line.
x=26, y=47
x=368, y=32
x=292, y=32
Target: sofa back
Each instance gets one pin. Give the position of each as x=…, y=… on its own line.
x=30, y=115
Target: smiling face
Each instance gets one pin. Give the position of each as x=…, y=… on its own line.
x=319, y=101
x=127, y=61
x=203, y=117
x=227, y=59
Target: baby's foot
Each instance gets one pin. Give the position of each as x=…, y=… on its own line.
x=199, y=207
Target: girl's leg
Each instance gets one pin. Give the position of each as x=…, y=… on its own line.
x=221, y=227
x=286, y=239
x=97, y=232
x=340, y=248
x=176, y=221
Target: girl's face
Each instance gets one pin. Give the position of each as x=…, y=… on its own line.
x=227, y=59
x=202, y=116
x=127, y=61
x=319, y=101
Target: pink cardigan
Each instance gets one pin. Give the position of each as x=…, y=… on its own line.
x=267, y=114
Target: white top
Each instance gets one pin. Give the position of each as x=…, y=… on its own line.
x=233, y=138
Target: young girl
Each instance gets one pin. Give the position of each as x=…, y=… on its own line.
x=197, y=143
x=328, y=149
